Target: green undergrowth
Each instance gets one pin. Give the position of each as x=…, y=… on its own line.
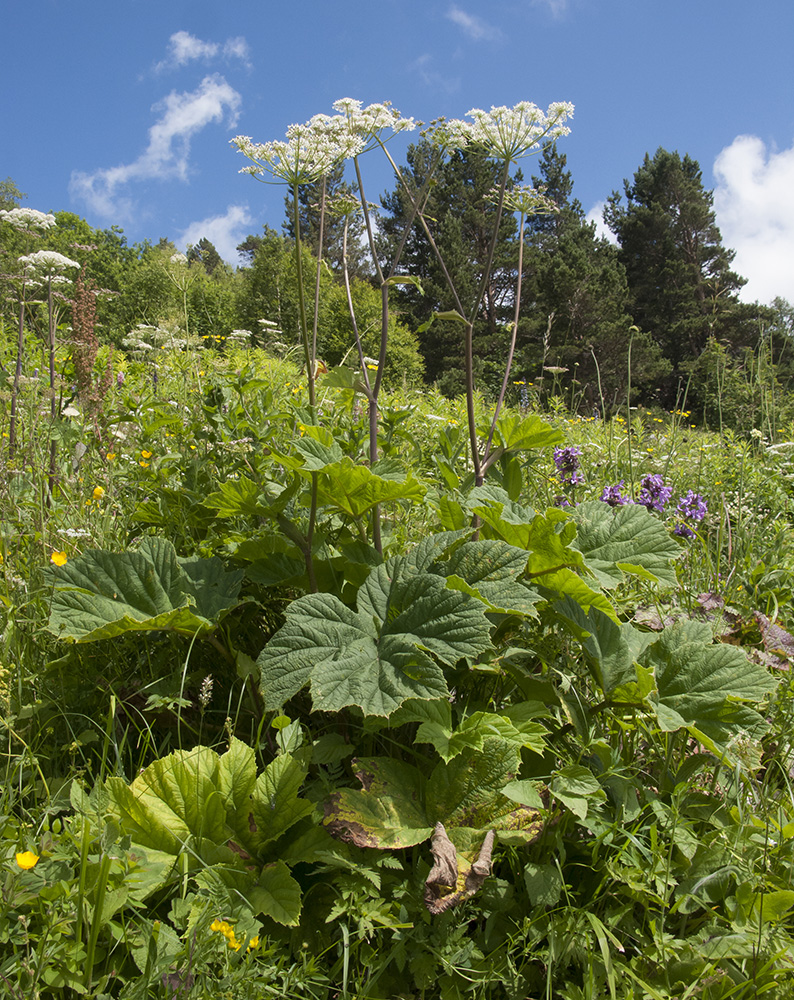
x=523, y=743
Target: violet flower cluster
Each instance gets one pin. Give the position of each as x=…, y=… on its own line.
x=694, y=508
x=567, y=463
x=653, y=493
x=614, y=497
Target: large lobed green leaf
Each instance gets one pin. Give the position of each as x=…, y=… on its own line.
x=101, y=595
x=705, y=686
x=379, y=655
x=213, y=811
x=397, y=806
x=625, y=540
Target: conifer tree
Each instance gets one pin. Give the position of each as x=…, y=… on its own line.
x=576, y=314
x=682, y=288
x=461, y=215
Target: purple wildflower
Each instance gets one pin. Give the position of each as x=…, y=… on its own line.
x=120, y=378
x=567, y=462
x=561, y=501
x=683, y=531
x=693, y=506
x=653, y=493
x=613, y=496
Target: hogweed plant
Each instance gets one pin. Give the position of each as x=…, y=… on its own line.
x=47, y=267
x=33, y=223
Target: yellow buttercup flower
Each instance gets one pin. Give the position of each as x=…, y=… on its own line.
x=146, y=454
x=99, y=492
x=27, y=859
x=59, y=558
x=110, y=456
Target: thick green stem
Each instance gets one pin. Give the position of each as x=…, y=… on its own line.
x=12, y=425
x=304, y=324
x=509, y=365
x=53, y=407
x=310, y=376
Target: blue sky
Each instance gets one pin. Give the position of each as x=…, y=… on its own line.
x=121, y=110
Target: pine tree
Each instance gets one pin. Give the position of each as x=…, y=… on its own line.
x=576, y=300
x=682, y=288
x=204, y=253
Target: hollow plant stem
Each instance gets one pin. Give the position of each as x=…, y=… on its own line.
x=310, y=376
x=509, y=364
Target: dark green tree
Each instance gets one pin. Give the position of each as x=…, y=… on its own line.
x=10, y=195
x=204, y=253
x=682, y=288
x=311, y=199
x=576, y=312
x=461, y=215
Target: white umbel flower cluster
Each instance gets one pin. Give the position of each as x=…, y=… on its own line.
x=508, y=133
x=28, y=219
x=527, y=200
x=313, y=149
x=46, y=262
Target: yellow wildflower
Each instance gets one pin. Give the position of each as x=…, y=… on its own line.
x=110, y=456
x=99, y=492
x=58, y=558
x=27, y=859
x=146, y=454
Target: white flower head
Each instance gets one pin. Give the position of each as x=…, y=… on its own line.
x=28, y=219
x=449, y=134
x=371, y=122
x=313, y=149
x=178, y=258
x=509, y=133
x=46, y=262
x=527, y=200
x=310, y=152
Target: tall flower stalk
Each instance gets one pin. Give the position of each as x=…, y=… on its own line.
x=48, y=266
x=308, y=155
x=506, y=135
x=34, y=223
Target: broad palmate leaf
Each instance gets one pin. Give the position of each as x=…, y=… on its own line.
x=101, y=595
x=624, y=540
x=705, y=686
x=398, y=807
x=407, y=624
x=212, y=811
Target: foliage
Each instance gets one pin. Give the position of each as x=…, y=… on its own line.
x=449, y=698
x=682, y=289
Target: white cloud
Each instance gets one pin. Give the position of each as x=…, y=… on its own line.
x=431, y=78
x=596, y=214
x=472, y=25
x=237, y=48
x=556, y=7
x=168, y=151
x=224, y=231
x=184, y=48
x=754, y=206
